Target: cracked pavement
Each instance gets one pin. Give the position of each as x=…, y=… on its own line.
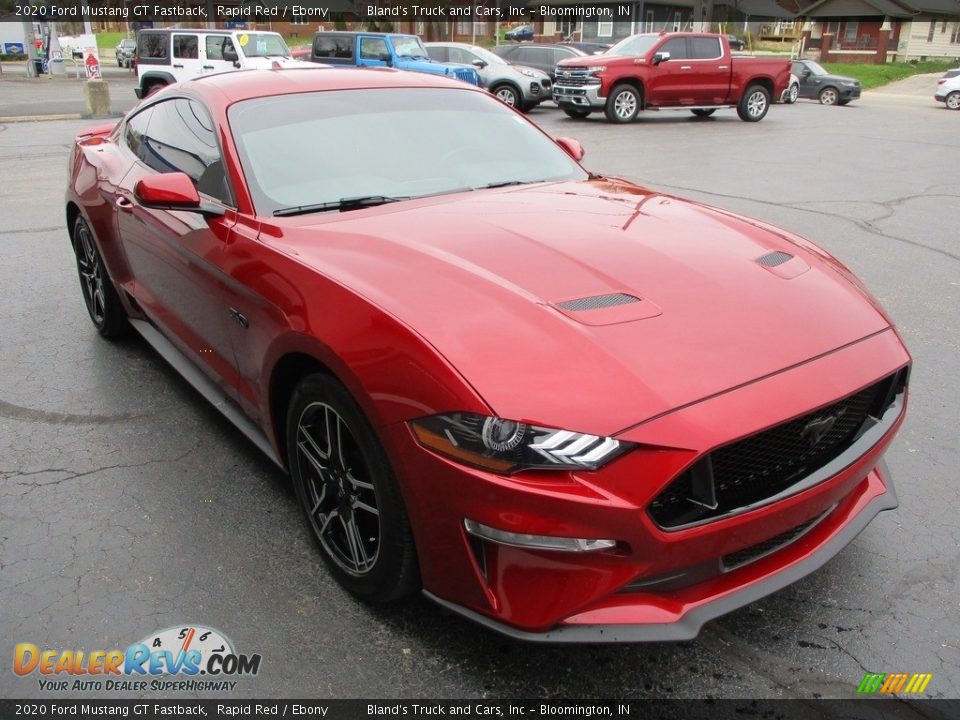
x=127, y=504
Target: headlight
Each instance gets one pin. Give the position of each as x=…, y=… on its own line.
x=596, y=68
x=506, y=446
x=528, y=73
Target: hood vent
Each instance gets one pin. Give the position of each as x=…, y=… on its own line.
x=772, y=259
x=597, y=302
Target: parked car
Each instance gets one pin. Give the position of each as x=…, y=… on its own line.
x=735, y=43
x=590, y=48
x=168, y=56
x=641, y=73
x=792, y=92
x=948, y=89
x=560, y=404
x=519, y=33
x=517, y=86
x=543, y=57
x=816, y=83
x=125, y=50
x=371, y=49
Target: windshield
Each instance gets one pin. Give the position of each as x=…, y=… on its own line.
x=313, y=148
x=263, y=45
x=634, y=46
x=409, y=46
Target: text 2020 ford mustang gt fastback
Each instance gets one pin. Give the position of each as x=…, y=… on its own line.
x=563, y=405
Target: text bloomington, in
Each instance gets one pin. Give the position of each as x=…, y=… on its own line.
x=581, y=12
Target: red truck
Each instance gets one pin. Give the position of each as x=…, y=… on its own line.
x=669, y=71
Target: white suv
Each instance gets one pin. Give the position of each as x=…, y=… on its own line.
x=948, y=89
x=168, y=56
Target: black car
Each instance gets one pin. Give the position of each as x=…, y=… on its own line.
x=542, y=57
x=590, y=48
x=818, y=84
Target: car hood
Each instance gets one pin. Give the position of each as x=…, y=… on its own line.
x=840, y=78
x=495, y=280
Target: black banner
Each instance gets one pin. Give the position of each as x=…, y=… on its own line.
x=318, y=11
x=868, y=709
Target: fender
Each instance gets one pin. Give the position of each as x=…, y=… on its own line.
x=155, y=75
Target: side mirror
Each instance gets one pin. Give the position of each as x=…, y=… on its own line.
x=660, y=56
x=230, y=55
x=172, y=191
x=479, y=64
x=571, y=147
x=806, y=73
x=385, y=57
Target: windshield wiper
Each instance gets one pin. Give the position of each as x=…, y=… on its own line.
x=351, y=203
x=505, y=183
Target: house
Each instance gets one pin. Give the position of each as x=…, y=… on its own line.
x=883, y=30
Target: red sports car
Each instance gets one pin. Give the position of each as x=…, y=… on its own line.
x=562, y=405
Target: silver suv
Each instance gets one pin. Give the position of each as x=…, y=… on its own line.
x=520, y=87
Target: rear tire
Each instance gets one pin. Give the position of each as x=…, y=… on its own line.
x=699, y=112
x=754, y=104
x=952, y=100
x=793, y=94
x=347, y=489
x=99, y=295
x=577, y=113
x=623, y=104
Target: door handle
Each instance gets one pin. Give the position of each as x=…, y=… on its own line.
x=179, y=66
x=208, y=67
x=723, y=67
x=124, y=203
x=685, y=67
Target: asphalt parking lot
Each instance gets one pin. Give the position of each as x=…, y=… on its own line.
x=127, y=504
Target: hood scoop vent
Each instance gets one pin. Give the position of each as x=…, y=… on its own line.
x=597, y=302
x=772, y=259
x=782, y=264
x=608, y=309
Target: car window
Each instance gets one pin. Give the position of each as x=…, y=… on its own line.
x=950, y=74
x=677, y=47
x=180, y=138
x=562, y=54
x=216, y=45
x=152, y=46
x=797, y=69
x=373, y=48
x=186, y=47
x=331, y=46
x=634, y=46
x=135, y=131
x=459, y=55
x=440, y=54
x=705, y=48
x=535, y=56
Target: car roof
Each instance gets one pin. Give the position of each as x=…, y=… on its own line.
x=237, y=85
x=354, y=33
x=203, y=31
x=538, y=45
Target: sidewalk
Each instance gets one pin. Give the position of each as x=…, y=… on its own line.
x=23, y=98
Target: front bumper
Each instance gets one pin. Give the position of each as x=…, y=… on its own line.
x=583, y=96
x=656, y=584
x=849, y=93
x=536, y=91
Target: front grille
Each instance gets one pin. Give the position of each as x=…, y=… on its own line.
x=762, y=466
x=466, y=74
x=748, y=555
x=572, y=78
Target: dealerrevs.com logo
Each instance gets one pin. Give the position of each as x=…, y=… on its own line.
x=183, y=658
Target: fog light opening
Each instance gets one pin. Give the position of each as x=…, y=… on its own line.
x=537, y=542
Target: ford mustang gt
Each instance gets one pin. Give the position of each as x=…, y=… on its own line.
x=562, y=405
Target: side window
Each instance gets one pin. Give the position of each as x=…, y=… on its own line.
x=677, y=47
x=797, y=69
x=704, y=48
x=152, y=46
x=216, y=45
x=459, y=55
x=440, y=54
x=135, y=132
x=537, y=56
x=330, y=46
x=180, y=138
x=186, y=47
x=373, y=48
x=561, y=54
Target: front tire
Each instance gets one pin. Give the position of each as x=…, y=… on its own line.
x=952, y=100
x=577, y=113
x=347, y=489
x=829, y=96
x=99, y=295
x=623, y=105
x=754, y=104
x=508, y=95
